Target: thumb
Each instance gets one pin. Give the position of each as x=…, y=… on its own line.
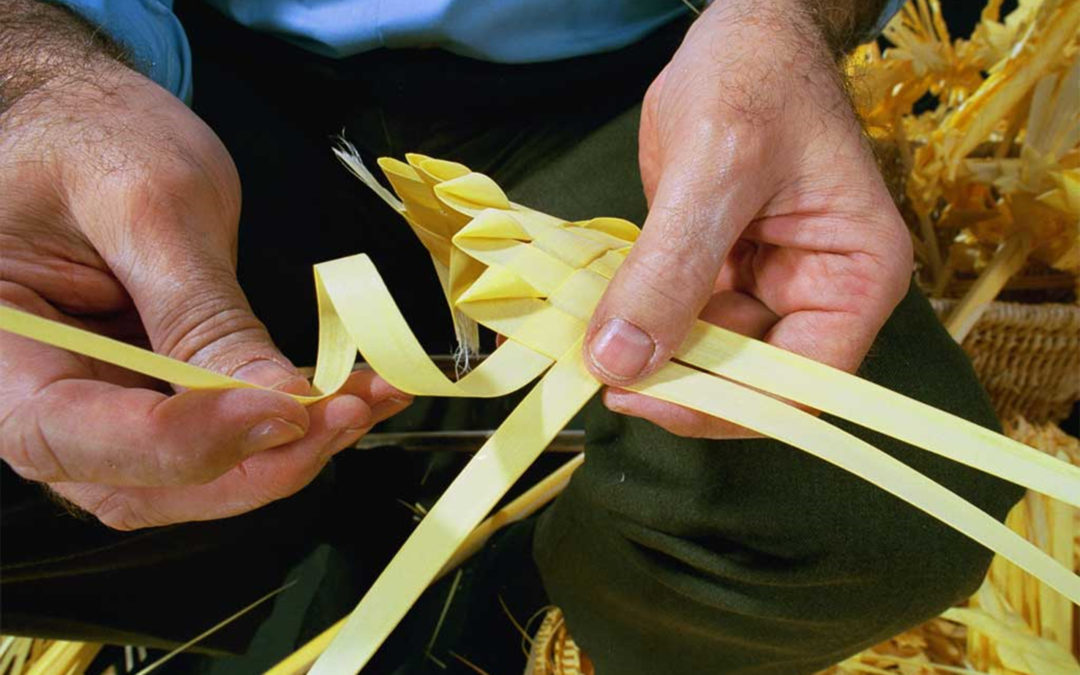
x=193, y=309
x=670, y=273
x=166, y=225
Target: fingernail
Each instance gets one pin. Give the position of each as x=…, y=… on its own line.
x=266, y=373
x=621, y=350
x=270, y=434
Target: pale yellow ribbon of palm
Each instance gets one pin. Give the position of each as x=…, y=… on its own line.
x=535, y=279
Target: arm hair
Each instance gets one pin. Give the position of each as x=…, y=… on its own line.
x=43, y=44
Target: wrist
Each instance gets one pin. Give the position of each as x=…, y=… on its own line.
x=772, y=29
x=45, y=47
x=834, y=27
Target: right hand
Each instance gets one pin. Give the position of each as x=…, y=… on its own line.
x=119, y=214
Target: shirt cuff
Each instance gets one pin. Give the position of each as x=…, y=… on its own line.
x=891, y=9
x=152, y=34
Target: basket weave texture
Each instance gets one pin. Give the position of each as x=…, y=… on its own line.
x=1027, y=356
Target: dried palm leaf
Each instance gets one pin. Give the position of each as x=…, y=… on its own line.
x=998, y=155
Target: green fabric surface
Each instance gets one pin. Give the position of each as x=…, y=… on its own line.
x=668, y=555
x=674, y=555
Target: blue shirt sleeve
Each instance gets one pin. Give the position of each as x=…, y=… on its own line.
x=889, y=12
x=150, y=32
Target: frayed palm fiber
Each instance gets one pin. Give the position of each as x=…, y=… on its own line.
x=1012, y=626
x=989, y=180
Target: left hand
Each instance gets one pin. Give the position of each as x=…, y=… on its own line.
x=118, y=213
x=767, y=212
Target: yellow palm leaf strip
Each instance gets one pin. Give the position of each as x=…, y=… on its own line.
x=729, y=400
x=1056, y=616
x=764, y=414
x=434, y=226
x=15, y=651
x=348, y=155
x=366, y=311
x=7, y=651
x=790, y=376
x=351, y=284
x=821, y=387
x=531, y=501
x=335, y=361
x=336, y=353
x=572, y=303
x=113, y=351
x=1009, y=259
x=1019, y=650
x=299, y=662
x=530, y=427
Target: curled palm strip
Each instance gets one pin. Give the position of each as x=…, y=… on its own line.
x=535, y=279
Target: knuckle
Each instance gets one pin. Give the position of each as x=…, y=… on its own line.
x=899, y=244
x=734, y=144
x=169, y=174
x=25, y=459
x=894, y=259
x=174, y=186
x=652, y=94
x=876, y=274
x=746, y=148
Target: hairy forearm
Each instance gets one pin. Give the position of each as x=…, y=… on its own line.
x=41, y=44
x=833, y=26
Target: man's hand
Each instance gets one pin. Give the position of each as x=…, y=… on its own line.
x=118, y=213
x=767, y=213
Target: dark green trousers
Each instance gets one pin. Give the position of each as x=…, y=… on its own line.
x=668, y=555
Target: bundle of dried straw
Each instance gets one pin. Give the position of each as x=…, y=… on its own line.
x=989, y=176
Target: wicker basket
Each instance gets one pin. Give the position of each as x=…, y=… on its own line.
x=1027, y=357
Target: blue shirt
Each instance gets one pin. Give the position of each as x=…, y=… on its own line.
x=508, y=31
